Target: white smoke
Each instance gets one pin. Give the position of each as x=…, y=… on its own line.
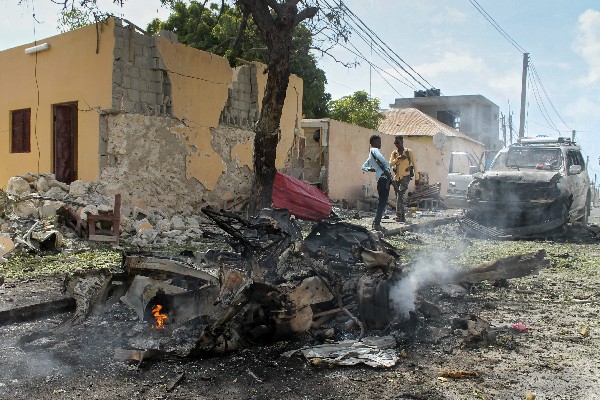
x=430, y=270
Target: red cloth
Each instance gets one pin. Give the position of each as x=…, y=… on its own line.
x=302, y=199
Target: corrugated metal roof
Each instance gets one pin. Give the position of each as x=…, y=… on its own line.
x=412, y=122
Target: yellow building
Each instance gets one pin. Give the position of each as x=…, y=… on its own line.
x=153, y=119
x=333, y=152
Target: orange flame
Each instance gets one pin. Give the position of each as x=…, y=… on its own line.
x=160, y=318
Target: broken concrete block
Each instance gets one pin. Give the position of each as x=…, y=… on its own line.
x=163, y=225
x=192, y=222
x=56, y=193
x=18, y=186
x=58, y=184
x=78, y=188
x=49, y=208
x=42, y=185
x=148, y=234
x=139, y=214
x=142, y=225
x=50, y=240
x=6, y=244
x=89, y=209
x=25, y=209
x=178, y=222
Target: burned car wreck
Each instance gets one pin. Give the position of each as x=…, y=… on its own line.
x=533, y=186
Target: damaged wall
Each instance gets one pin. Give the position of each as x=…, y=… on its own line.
x=159, y=119
x=148, y=156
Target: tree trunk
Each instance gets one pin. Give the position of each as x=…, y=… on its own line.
x=275, y=21
x=268, y=128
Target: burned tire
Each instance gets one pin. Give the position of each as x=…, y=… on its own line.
x=373, y=301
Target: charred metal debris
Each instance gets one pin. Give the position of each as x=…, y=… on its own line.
x=334, y=283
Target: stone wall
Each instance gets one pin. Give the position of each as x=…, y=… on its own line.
x=147, y=164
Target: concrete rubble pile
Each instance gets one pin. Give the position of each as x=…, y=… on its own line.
x=40, y=197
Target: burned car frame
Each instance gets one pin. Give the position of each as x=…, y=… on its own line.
x=533, y=186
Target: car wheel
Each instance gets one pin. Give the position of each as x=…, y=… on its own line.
x=586, y=211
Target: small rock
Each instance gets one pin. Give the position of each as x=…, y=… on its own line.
x=78, y=188
x=49, y=208
x=25, y=209
x=142, y=225
x=192, y=222
x=164, y=225
x=42, y=185
x=171, y=234
x=56, y=193
x=177, y=222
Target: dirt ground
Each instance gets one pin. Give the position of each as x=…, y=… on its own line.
x=556, y=356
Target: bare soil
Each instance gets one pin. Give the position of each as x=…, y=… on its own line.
x=557, y=356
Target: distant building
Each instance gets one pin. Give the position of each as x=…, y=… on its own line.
x=473, y=115
x=331, y=153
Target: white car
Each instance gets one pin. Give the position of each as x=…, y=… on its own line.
x=534, y=185
x=460, y=174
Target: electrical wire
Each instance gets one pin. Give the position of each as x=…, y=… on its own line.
x=37, y=86
x=380, y=42
x=357, y=27
x=497, y=26
x=539, y=81
x=535, y=90
x=539, y=91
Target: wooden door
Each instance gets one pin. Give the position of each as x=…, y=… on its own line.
x=65, y=142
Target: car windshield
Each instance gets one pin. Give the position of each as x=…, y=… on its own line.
x=528, y=157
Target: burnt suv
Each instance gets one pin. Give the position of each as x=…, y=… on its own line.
x=533, y=186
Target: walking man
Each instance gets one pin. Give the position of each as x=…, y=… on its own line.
x=402, y=162
x=378, y=164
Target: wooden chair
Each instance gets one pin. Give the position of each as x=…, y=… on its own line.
x=113, y=217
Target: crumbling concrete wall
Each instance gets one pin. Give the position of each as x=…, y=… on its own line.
x=147, y=165
x=140, y=82
x=180, y=134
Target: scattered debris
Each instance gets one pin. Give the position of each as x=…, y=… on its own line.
x=505, y=268
x=458, y=374
x=375, y=352
x=519, y=327
x=175, y=381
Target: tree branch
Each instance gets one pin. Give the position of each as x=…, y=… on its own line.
x=235, y=48
x=307, y=13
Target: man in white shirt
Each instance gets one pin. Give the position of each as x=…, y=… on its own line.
x=378, y=163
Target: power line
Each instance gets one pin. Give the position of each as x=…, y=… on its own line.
x=537, y=77
x=377, y=69
x=539, y=91
x=381, y=49
x=497, y=26
x=377, y=51
x=540, y=104
x=379, y=40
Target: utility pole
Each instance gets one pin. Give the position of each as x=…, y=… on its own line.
x=523, y=95
x=573, y=135
x=503, y=125
x=510, y=127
